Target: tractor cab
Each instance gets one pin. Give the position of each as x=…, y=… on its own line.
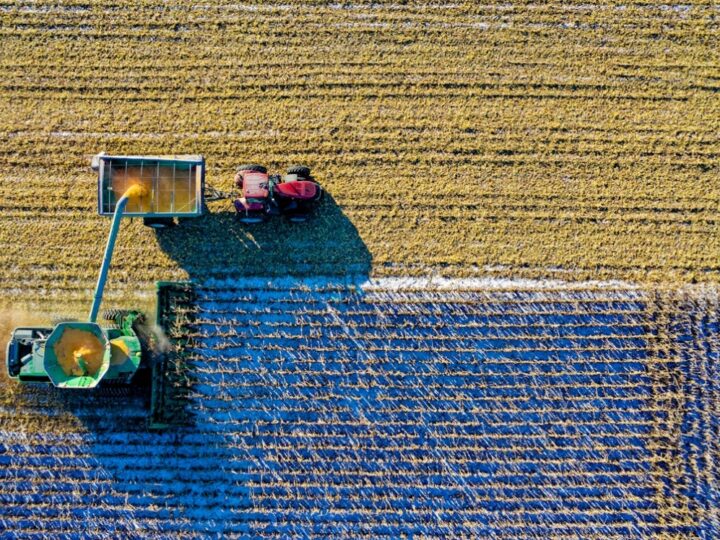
x=294, y=195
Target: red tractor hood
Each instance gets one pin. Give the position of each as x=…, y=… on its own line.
x=298, y=189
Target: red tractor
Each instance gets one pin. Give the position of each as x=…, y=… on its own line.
x=294, y=195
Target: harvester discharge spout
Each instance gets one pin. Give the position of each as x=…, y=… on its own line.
x=136, y=191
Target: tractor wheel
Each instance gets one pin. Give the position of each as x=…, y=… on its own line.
x=302, y=171
x=159, y=223
x=252, y=167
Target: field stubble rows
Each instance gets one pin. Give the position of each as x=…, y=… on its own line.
x=536, y=140
x=509, y=408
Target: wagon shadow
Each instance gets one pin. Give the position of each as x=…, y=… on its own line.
x=217, y=246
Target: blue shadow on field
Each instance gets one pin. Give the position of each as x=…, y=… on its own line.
x=324, y=410
x=216, y=245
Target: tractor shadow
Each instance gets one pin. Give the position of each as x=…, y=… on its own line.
x=217, y=246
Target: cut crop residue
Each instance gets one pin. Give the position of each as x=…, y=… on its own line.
x=79, y=353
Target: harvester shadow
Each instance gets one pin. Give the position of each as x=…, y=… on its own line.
x=217, y=246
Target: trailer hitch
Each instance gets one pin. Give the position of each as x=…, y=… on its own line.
x=214, y=194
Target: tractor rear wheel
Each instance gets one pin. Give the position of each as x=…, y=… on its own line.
x=252, y=167
x=302, y=171
x=158, y=223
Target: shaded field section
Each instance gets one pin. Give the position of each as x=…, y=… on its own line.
x=330, y=407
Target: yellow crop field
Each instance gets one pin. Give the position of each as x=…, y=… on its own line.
x=572, y=140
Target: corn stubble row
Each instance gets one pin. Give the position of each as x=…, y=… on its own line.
x=546, y=413
x=572, y=140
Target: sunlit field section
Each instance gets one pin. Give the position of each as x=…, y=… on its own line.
x=572, y=140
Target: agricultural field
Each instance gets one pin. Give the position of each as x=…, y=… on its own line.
x=502, y=322
x=567, y=140
x=394, y=408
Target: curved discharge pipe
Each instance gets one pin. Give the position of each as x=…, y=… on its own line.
x=133, y=191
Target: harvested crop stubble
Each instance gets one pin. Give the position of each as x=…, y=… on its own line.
x=571, y=140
